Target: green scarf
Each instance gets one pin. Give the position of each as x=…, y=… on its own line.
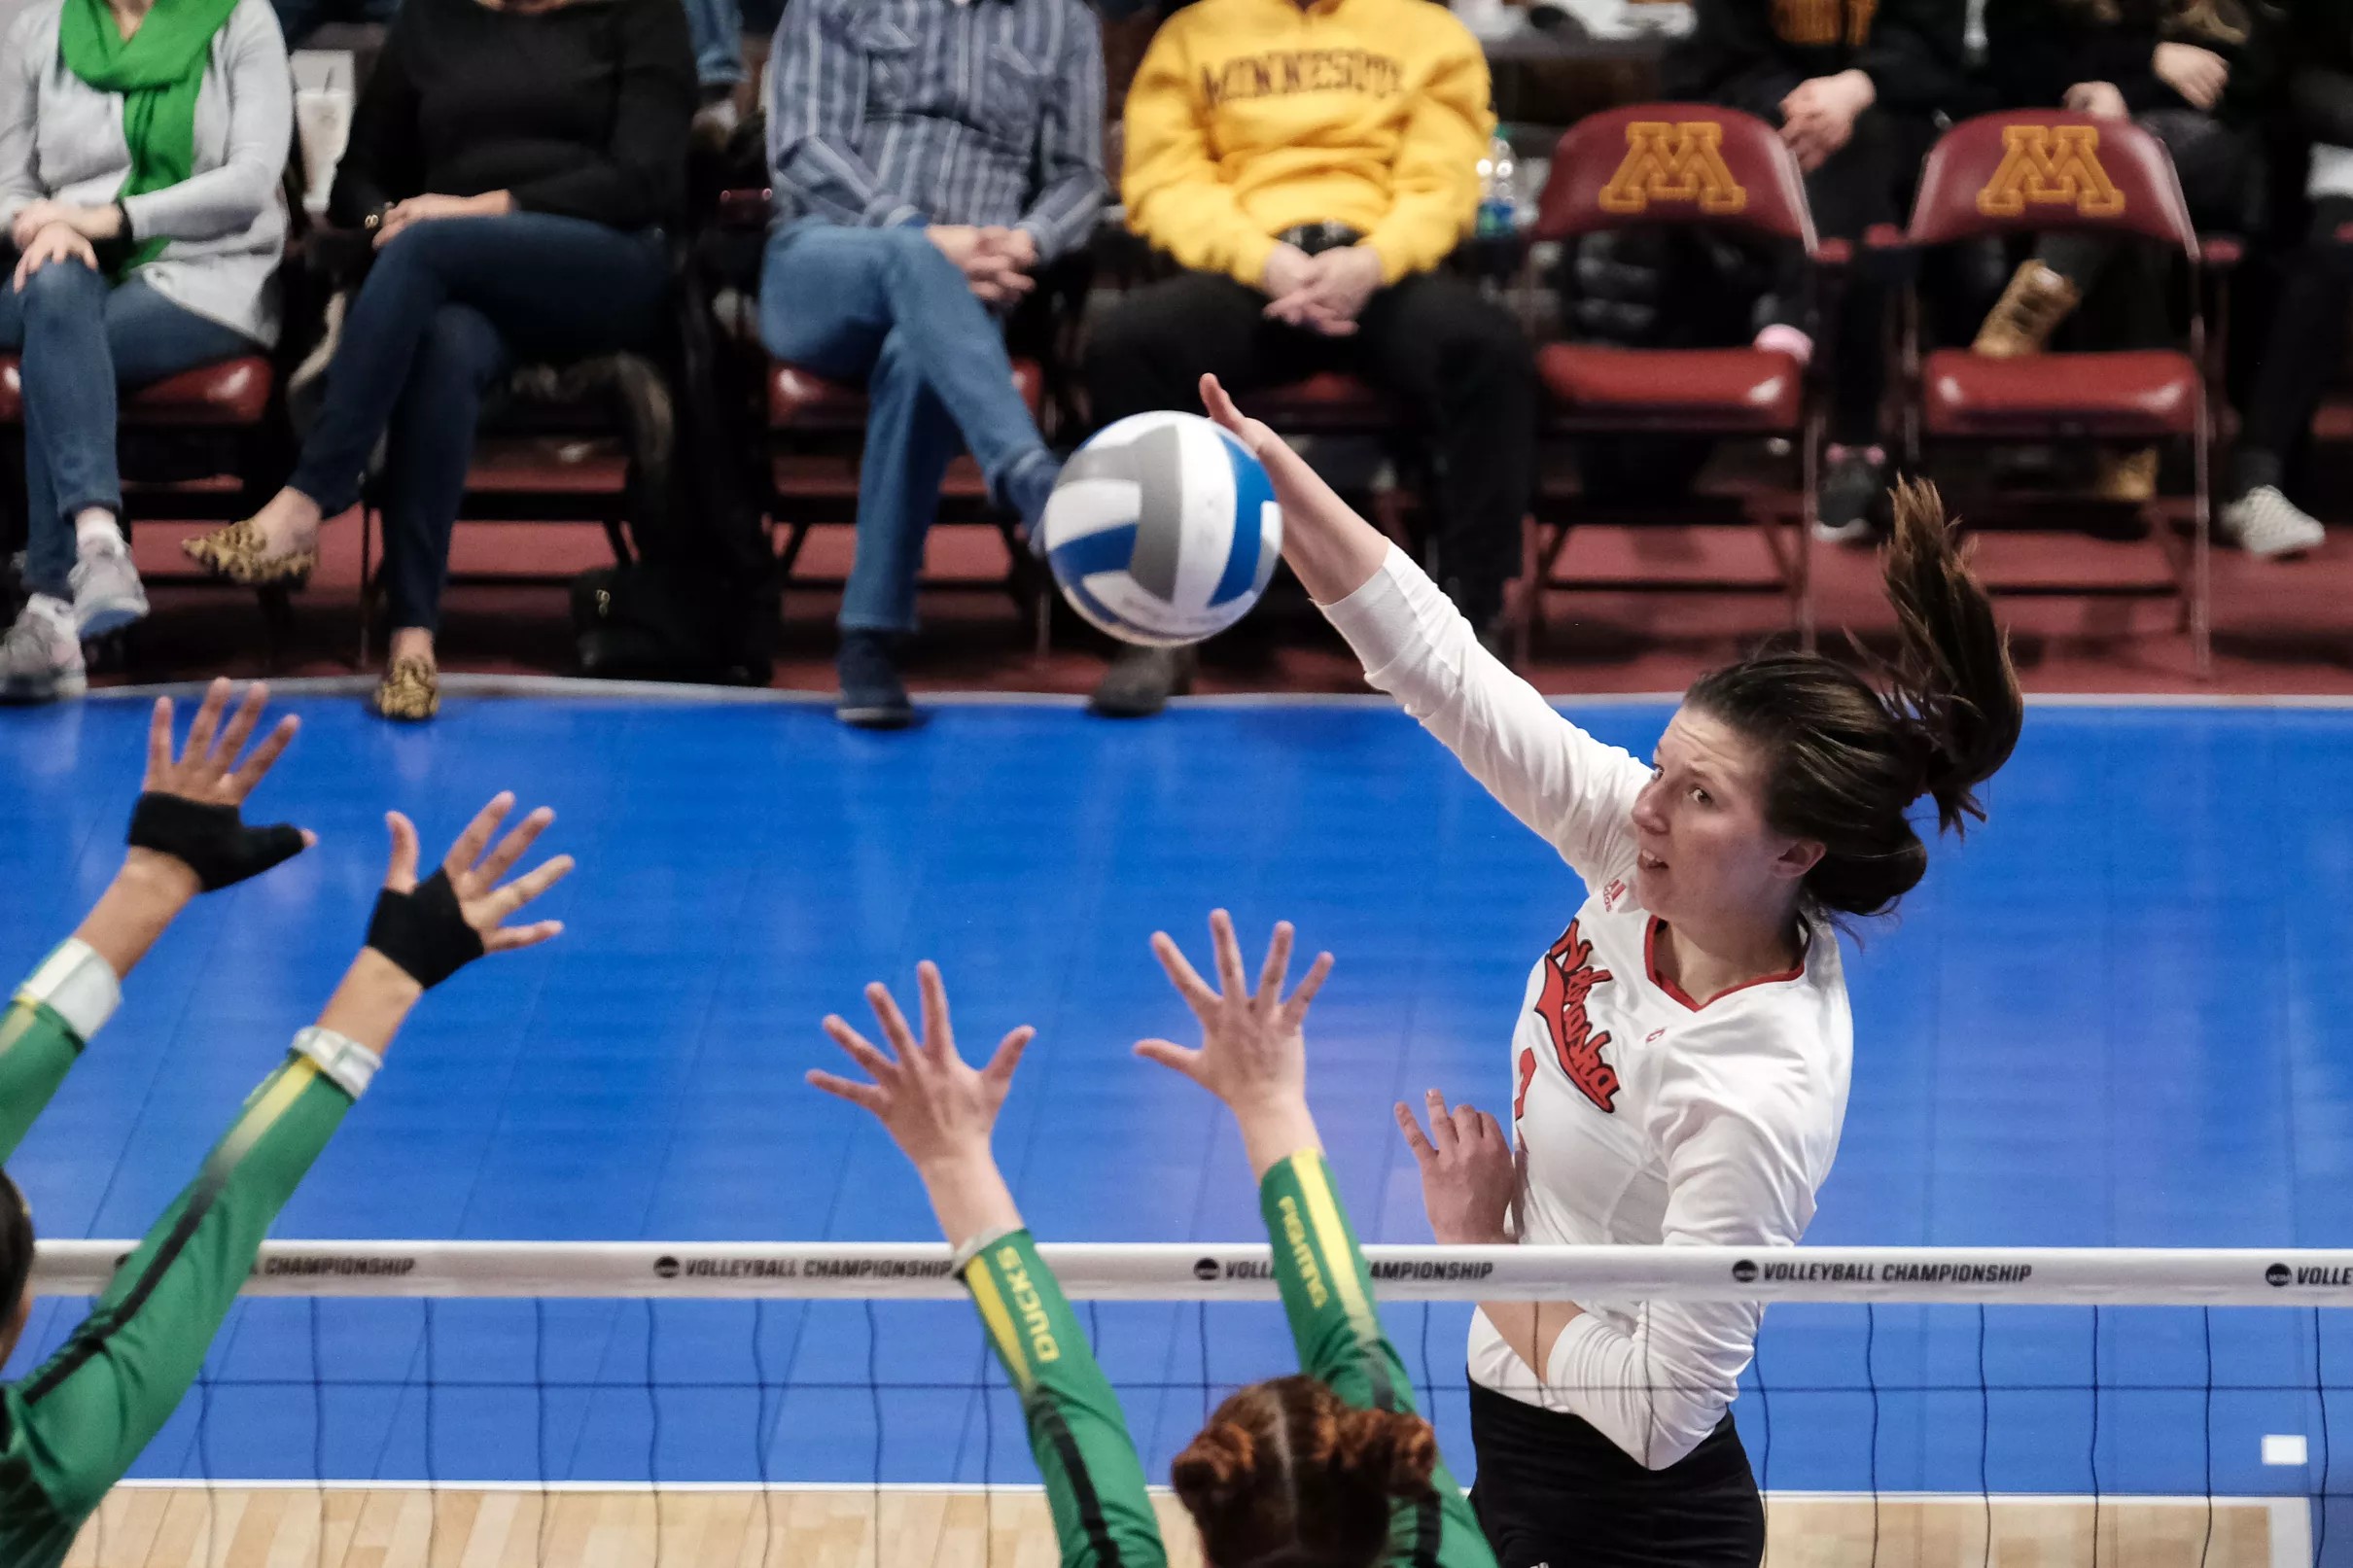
x=157, y=71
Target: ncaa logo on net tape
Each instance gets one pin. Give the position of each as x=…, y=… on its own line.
x=2322, y=1276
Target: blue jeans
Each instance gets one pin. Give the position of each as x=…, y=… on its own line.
x=81, y=339
x=717, y=30
x=884, y=306
x=447, y=309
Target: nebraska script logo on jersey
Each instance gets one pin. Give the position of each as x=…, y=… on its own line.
x=1570, y=978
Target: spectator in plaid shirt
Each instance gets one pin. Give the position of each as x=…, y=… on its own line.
x=928, y=157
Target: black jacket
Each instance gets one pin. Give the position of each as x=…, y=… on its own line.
x=2318, y=41
x=1751, y=54
x=581, y=111
x=2036, y=49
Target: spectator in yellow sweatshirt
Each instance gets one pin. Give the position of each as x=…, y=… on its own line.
x=1310, y=162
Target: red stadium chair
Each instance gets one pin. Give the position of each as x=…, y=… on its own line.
x=1682, y=164
x=817, y=427
x=2024, y=172
x=222, y=415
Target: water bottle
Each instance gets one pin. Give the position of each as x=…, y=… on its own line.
x=1500, y=197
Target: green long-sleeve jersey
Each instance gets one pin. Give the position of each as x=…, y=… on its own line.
x=1095, y=1483
x=69, y=1431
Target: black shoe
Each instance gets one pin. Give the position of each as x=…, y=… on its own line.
x=1140, y=681
x=873, y=696
x=1854, y=489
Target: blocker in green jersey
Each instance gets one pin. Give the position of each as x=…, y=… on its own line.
x=1333, y=1467
x=70, y=1430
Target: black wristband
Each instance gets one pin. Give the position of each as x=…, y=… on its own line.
x=424, y=932
x=211, y=841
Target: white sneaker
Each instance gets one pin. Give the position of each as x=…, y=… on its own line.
x=108, y=595
x=2265, y=524
x=41, y=656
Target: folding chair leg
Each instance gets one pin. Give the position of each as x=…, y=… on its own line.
x=277, y=624
x=368, y=579
x=1809, y=478
x=1531, y=596
x=2201, y=550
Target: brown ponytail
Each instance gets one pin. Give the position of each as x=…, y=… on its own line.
x=1846, y=761
x=1286, y=1476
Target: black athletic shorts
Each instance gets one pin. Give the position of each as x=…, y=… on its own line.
x=1552, y=1492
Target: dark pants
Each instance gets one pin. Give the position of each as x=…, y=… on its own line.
x=1868, y=181
x=1552, y=1492
x=2302, y=350
x=1456, y=361
x=449, y=307
x=2220, y=173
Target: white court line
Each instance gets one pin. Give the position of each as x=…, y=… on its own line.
x=680, y=694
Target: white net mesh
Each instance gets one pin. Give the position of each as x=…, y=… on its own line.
x=493, y=1404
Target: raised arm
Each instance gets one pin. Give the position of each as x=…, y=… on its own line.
x=89, y=1411
x=1254, y=1057
x=186, y=837
x=1573, y=790
x=940, y=1112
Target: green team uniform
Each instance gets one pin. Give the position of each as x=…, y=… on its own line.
x=69, y=1431
x=1095, y=1482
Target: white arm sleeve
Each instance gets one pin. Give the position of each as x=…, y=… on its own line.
x=1737, y=1175
x=1569, y=787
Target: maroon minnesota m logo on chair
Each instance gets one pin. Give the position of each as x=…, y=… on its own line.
x=2051, y=166
x=1680, y=163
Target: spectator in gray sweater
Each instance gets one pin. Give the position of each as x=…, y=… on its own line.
x=141, y=143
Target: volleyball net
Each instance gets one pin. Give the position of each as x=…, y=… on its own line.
x=492, y=1405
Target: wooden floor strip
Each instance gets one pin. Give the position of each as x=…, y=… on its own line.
x=159, y=1526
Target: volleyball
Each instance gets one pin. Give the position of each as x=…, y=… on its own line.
x=1162, y=530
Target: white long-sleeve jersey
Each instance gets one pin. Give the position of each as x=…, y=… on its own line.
x=1645, y=1118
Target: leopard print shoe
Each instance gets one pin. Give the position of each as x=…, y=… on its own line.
x=239, y=554
x=411, y=692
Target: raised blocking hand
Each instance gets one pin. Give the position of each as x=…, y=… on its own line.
x=190, y=805
x=433, y=928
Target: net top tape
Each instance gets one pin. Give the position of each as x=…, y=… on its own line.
x=2024, y=1276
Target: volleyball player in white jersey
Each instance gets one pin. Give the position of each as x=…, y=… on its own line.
x=1680, y=1062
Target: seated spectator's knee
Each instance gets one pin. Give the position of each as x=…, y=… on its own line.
x=1128, y=330
x=63, y=287
x=1487, y=339
x=419, y=245
x=911, y=249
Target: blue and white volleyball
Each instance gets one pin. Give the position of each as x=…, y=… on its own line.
x=1163, y=530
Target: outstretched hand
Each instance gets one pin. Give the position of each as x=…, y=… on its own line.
x=1331, y=548
x=434, y=928
x=189, y=803
x=1253, y=1049
x=936, y=1106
